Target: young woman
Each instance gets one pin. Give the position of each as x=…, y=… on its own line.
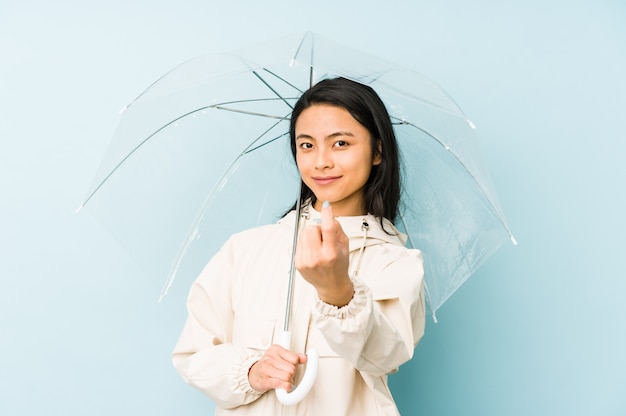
x=358, y=296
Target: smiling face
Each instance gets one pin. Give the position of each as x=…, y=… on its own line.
x=334, y=157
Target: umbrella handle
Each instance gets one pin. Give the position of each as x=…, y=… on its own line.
x=299, y=392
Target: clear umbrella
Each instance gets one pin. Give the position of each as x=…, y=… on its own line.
x=203, y=152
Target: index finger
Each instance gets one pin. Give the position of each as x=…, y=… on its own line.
x=291, y=356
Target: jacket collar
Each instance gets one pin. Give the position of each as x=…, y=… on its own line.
x=353, y=227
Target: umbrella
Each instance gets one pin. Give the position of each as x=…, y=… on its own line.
x=203, y=153
x=208, y=141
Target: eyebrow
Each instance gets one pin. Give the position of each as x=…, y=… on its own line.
x=330, y=136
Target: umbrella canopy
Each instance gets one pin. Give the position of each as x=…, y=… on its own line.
x=204, y=152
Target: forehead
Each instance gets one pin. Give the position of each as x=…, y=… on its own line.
x=322, y=118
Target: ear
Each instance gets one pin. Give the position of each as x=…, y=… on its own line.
x=378, y=156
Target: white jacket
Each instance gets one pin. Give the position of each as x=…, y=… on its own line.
x=236, y=311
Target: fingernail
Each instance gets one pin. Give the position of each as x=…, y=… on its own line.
x=317, y=220
x=326, y=204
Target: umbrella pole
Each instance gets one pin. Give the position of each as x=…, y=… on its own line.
x=292, y=269
x=308, y=378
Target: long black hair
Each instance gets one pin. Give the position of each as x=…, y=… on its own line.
x=382, y=189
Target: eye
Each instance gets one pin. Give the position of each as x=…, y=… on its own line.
x=305, y=145
x=341, y=143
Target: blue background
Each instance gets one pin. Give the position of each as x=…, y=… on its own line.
x=540, y=329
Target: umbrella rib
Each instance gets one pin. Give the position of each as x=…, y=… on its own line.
x=150, y=86
x=250, y=149
x=283, y=80
x=143, y=142
x=252, y=113
x=194, y=226
x=311, y=60
x=433, y=310
x=272, y=89
x=297, y=52
x=467, y=170
x=300, y=45
x=125, y=158
x=219, y=106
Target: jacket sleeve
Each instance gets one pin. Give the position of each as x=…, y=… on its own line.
x=204, y=355
x=380, y=327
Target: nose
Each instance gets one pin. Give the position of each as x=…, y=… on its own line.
x=323, y=159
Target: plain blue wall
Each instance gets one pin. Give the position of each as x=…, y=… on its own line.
x=540, y=329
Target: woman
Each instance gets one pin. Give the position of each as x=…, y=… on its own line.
x=358, y=297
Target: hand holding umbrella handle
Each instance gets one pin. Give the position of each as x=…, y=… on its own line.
x=299, y=392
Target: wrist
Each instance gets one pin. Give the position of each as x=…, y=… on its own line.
x=338, y=297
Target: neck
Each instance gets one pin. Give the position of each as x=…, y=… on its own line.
x=343, y=209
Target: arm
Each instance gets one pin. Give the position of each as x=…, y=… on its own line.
x=374, y=323
x=204, y=355
x=378, y=330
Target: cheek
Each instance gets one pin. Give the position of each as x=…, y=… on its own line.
x=299, y=162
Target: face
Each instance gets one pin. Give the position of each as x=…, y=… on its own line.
x=334, y=157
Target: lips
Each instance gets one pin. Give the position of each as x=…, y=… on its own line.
x=326, y=180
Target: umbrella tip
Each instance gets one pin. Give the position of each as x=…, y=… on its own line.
x=513, y=240
x=79, y=208
x=163, y=293
x=434, y=315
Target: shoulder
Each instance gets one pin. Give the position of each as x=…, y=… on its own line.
x=261, y=235
x=392, y=271
x=388, y=254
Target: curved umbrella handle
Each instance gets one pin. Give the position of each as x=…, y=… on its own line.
x=298, y=393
